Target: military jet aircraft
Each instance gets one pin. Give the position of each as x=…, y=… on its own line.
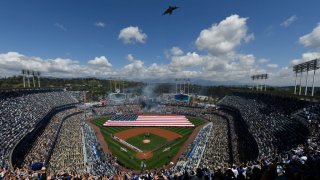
x=170, y=10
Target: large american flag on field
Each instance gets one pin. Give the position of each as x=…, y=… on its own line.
x=153, y=120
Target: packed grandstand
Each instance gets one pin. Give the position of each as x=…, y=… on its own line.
x=250, y=135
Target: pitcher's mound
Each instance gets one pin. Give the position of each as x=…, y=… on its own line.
x=146, y=141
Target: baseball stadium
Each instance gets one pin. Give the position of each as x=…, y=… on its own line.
x=154, y=143
x=70, y=137
x=159, y=90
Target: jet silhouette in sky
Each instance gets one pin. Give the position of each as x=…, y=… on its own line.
x=170, y=10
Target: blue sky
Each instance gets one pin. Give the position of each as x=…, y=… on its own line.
x=215, y=40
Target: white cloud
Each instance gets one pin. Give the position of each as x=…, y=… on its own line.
x=231, y=62
x=214, y=64
x=188, y=60
x=131, y=34
x=247, y=60
x=263, y=61
x=289, y=21
x=11, y=63
x=14, y=61
x=231, y=67
x=130, y=57
x=308, y=56
x=60, y=26
x=101, y=61
x=272, y=65
x=100, y=24
x=249, y=38
x=312, y=39
x=158, y=69
x=134, y=69
x=176, y=51
x=224, y=37
x=221, y=62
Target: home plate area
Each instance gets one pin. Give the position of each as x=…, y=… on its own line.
x=144, y=141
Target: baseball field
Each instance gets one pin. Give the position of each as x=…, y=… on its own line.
x=158, y=145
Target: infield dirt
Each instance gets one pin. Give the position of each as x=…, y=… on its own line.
x=168, y=135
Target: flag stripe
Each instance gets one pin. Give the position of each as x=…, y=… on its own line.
x=145, y=120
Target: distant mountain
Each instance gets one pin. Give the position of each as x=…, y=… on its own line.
x=196, y=81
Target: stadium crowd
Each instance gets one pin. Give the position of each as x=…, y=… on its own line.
x=21, y=111
x=273, y=129
x=193, y=154
x=118, y=109
x=78, y=95
x=287, y=147
x=68, y=153
x=216, y=153
x=98, y=162
x=281, y=138
x=185, y=110
x=43, y=143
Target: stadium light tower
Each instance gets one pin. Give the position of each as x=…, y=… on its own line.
x=38, y=75
x=260, y=77
x=185, y=83
x=252, y=77
x=306, y=67
x=188, y=80
x=258, y=84
x=316, y=66
x=33, y=74
x=306, y=89
x=300, y=82
x=24, y=77
x=115, y=85
x=176, y=85
x=295, y=83
x=123, y=83
x=181, y=85
x=265, y=79
x=28, y=74
x=110, y=85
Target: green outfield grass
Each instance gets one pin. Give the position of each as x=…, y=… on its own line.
x=128, y=159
